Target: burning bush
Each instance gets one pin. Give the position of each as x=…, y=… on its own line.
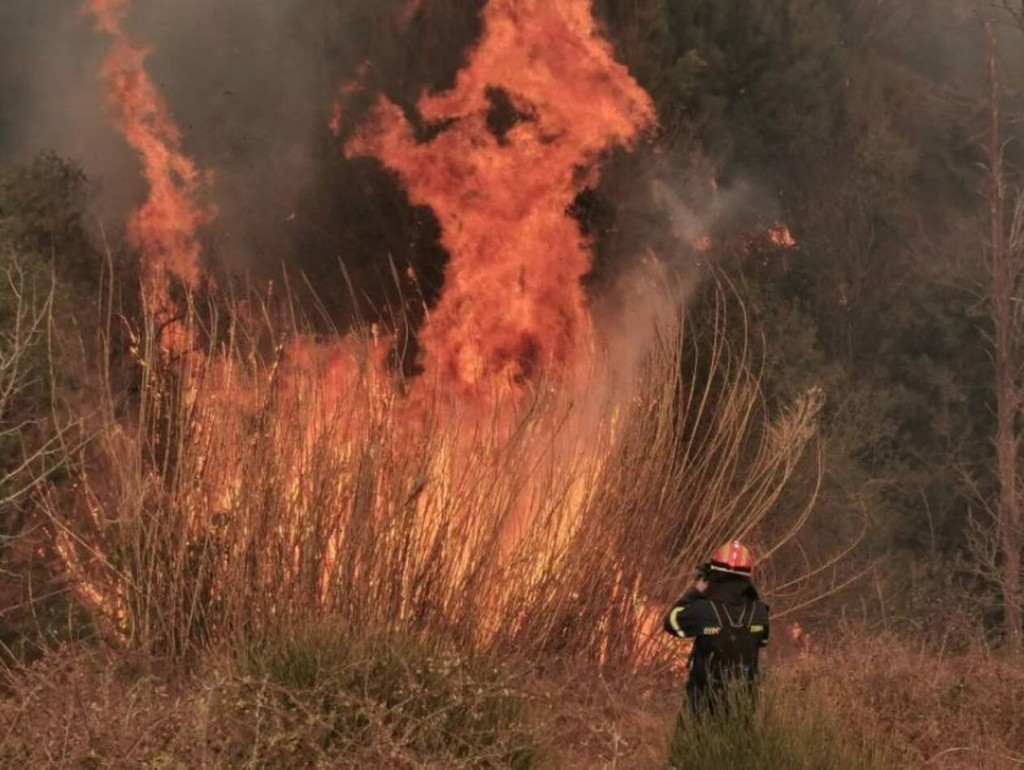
x=240, y=494
x=524, y=493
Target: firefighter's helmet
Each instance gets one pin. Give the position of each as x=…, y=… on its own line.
x=734, y=558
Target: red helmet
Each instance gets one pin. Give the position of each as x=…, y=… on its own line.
x=734, y=558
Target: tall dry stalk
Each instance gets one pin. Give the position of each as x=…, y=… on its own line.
x=246, y=493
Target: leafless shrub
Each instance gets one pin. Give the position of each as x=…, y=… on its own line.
x=362, y=706
x=24, y=333
x=932, y=709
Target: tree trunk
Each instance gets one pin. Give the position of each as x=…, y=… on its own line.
x=1003, y=278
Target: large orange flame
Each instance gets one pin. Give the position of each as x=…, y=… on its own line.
x=502, y=186
x=164, y=228
x=524, y=128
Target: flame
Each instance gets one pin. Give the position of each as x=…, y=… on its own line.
x=524, y=128
x=703, y=244
x=775, y=236
x=345, y=93
x=769, y=239
x=781, y=236
x=109, y=15
x=164, y=228
x=513, y=305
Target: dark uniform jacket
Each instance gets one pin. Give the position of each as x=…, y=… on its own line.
x=729, y=600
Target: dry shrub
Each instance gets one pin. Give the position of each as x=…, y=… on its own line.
x=311, y=701
x=780, y=728
x=933, y=709
x=613, y=718
x=269, y=480
x=31, y=453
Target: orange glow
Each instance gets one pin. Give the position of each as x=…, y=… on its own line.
x=513, y=307
x=780, y=235
x=164, y=228
x=109, y=14
x=408, y=11
x=513, y=304
x=345, y=93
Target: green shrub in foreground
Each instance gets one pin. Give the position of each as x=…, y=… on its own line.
x=783, y=729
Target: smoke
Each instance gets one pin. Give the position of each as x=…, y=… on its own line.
x=241, y=78
x=657, y=223
x=53, y=100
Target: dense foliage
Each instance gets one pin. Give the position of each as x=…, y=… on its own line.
x=861, y=124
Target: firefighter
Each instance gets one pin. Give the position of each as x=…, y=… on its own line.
x=728, y=622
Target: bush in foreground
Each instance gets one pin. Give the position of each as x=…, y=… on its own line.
x=786, y=728
x=312, y=700
x=931, y=708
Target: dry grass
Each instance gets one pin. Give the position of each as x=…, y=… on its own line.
x=323, y=700
x=314, y=702
x=933, y=709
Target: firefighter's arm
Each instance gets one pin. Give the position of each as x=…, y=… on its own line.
x=761, y=625
x=688, y=617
